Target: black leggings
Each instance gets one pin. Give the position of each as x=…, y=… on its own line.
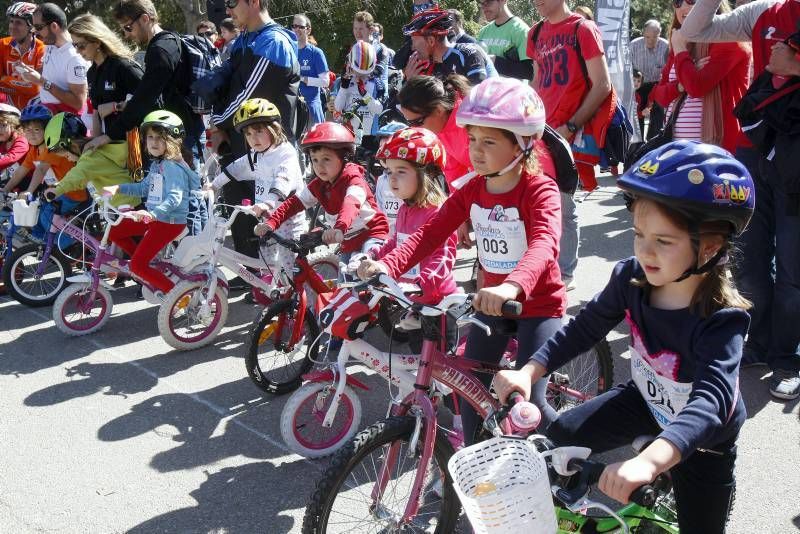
x=531, y=334
x=703, y=482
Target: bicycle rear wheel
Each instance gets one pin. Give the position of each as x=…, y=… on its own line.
x=584, y=377
x=342, y=501
x=274, y=363
x=26, y=285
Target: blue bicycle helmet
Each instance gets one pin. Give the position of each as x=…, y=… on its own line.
x=35, y=112
x=390, y=128
x=703, y=182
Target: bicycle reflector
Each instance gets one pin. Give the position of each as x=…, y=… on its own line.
x=346, y=316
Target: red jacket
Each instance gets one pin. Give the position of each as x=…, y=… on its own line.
x=729, y=67
x=456, y=146
x=13, y=151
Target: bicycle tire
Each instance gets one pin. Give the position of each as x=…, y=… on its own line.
x=293, y=379
x=374, y=439
x=590, y=381
x=68, y=317
x=14, y=276
x=178, y=309
x=301, y=420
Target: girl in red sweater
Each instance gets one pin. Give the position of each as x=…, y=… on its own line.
x=714, y=77
x=13, y=145
x=516, y=213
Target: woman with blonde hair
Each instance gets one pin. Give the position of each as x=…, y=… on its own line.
x=113, y=76
x=702, y=82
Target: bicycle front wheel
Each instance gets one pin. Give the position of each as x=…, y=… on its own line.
x=275, y=362
x=582, y=378
x=343, y=499
x=34, y=279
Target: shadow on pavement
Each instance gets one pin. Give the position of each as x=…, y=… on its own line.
x=754, y=385
x=235, y=500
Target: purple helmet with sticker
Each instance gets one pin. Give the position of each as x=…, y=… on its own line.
x=704, y=182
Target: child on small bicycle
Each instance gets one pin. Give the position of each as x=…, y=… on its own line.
x=167, y=186
x=516, y=213
x=13, y=145
x=688, y=325
x=274, y=166
x=358, y=98
x=388, y=203
x=342, y=190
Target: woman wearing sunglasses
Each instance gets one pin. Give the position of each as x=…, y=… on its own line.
x=702, y=82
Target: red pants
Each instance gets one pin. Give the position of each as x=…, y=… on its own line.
x=155, y=236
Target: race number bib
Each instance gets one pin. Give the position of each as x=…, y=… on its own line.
x=156, y=193
x=262, y=185
x=415, y=270
x=665, y=397
x=500, y=237
x=50, y=178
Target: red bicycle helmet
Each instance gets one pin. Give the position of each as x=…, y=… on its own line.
x=346, y=316
x=417, y=145
x=328, y=134
x=434, y=21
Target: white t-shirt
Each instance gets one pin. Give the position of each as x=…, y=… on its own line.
x=62, y=66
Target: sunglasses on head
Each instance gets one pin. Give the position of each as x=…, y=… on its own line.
x=128, y=28
x=679, y=3
x=230, y=4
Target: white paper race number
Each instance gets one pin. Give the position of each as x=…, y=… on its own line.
x=500, y=236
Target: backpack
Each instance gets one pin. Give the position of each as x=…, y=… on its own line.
x=620, y=129
x=302, y=117
x=560, y=151
x=202, y=57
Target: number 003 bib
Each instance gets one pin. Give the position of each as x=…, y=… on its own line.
x=665, y=397
x=500, y=237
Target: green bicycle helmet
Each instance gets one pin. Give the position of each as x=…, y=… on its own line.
x=164, y=119
x=62, y=130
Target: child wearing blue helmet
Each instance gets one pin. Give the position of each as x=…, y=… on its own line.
x=688, y=325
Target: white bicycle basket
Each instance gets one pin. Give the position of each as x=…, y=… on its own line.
x=503, y=485
x=25, y=214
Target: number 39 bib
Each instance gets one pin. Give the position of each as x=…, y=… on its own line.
x=500, y=237
x=665, y=397
x=156, y=193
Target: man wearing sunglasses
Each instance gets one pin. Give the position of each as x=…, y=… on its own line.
x=769, y=271
x=649, y=55
x=21, y=46
x=314, y=73
x=62, y=81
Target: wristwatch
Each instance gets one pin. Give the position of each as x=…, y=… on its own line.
x=47, y=85
x=572, y=127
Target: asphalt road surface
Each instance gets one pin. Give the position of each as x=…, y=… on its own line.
x=116, y=432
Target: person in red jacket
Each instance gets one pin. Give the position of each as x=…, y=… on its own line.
x=13, y=145
x=342, y=190
x=714, y=77
x=515, y=210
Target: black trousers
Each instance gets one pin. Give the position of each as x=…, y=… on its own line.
x=703, y=482
x=656, y=111
x=244, y=240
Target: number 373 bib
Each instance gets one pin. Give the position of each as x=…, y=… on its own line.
x=500, y=237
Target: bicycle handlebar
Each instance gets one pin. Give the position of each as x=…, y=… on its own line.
x=590, y=472
x=302, y=245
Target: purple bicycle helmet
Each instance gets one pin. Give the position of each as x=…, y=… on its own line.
x=35, y=112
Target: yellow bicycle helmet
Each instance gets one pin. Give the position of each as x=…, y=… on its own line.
x=255, y=110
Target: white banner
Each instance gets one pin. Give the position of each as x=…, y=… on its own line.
x=613, y=19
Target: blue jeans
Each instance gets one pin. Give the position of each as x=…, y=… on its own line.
x=194, y=141
x=46, y=212
x=768, y=272
x=532, y=332
x=570, y=237
x=315, y=113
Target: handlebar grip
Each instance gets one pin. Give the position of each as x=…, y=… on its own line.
x=590, y=469
x=514, y=397
x=49, y=196
x=644, y=496
x=511, y=308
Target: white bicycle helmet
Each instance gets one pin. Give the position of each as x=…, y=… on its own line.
x=8, y=108
x=362, y=58
x=22, y=10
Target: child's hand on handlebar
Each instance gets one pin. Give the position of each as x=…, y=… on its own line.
x=332, y=236
x=142, y=215
x=110, y=190
x=621, y=479
x=262, y=209
x=262, y=229
x=507, y=382
x=50, y=193
x=490, y=300
x=370, y=268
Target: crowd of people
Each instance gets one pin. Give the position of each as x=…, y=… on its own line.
x=463, y=129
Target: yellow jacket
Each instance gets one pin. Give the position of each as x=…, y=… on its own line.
x=103, y=166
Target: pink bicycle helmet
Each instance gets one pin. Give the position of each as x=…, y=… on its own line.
x=507, y=104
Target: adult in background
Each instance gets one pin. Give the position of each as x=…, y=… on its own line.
x=574, y=88
x=434, y=53
x=769, y=270
x=21, y=46
x=228, y=31
x=113, y=77
x=711, y=77
x=263, y=64
x=207, y=29
x=505, y=39
x=314, y=74
x=649, y=55
x=62, y=81
x=458, y=35
x=584, y=12
x=377, y=37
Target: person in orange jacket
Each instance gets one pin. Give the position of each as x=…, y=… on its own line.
x=21, y=46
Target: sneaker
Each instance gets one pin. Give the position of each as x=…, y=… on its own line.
x=569, y=282
x=785, y=384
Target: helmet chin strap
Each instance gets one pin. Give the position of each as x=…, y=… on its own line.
x=527, y=148
x=720, y=258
